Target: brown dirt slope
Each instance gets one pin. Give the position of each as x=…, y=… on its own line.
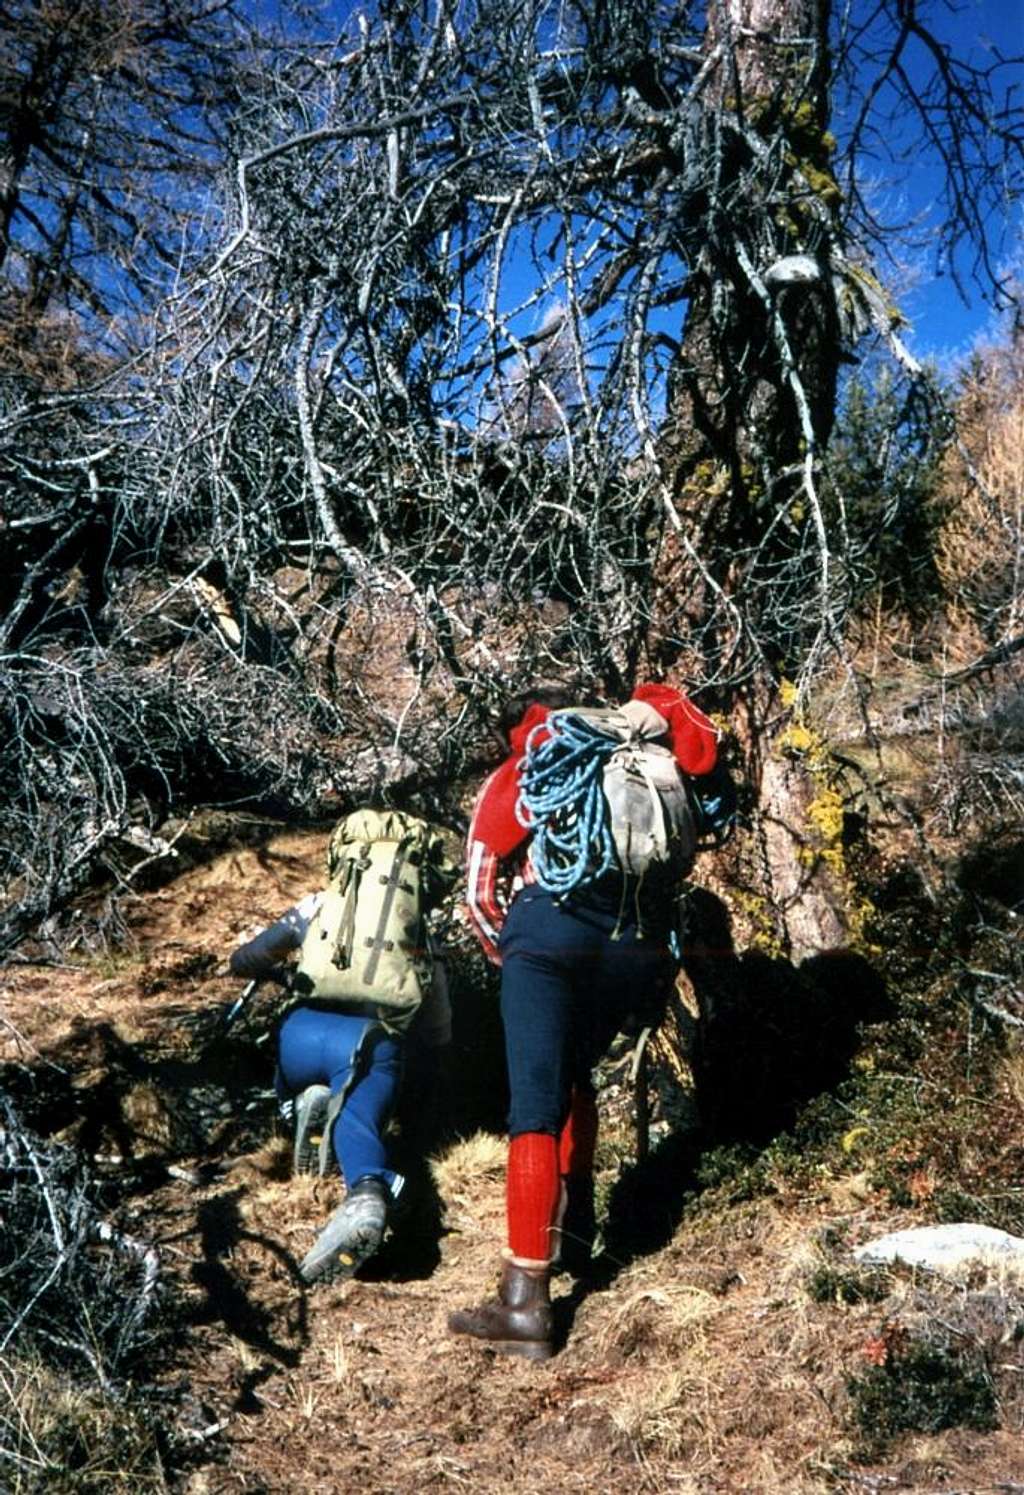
x=701, y=1365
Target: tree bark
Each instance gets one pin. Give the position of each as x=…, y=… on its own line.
x=807, y=896
x=754, y=399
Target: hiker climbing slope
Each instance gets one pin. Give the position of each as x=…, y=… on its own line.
x=576, y=849
x=366, y=983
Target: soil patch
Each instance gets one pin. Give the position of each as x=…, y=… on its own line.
x=705, y=1365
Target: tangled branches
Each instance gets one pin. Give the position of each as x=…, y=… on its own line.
x=509, y=348
x=72, y=1288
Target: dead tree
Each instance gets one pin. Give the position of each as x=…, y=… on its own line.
x=314, y=489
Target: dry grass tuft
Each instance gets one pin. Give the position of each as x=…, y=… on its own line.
x=267, y=1169
x=462, y=1167
x=656, y=1317
x=802, y=1258
x=58, y=1437
x=659, y=1416
x=1010, y=1078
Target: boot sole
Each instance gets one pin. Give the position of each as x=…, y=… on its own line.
x=525, y=1350
x=307, y=1157
x=340, y=1264
x=345, y=1266
x=309, y=1131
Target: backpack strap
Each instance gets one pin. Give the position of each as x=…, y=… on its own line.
x=637, y=763
x=336, y=1104
x=638, y=1076
x=392, y=881
x=348, y=886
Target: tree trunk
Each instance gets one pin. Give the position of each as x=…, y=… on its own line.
x=754, y=399
x=806, y=892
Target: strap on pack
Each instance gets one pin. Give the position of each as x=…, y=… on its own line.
x=656, y=801
x=393, y=881
x=349, y=882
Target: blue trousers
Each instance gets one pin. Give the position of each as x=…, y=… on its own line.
x=572, y=976
x=353, y=1056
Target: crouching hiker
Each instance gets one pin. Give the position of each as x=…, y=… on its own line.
x=576, y=850
x=366, y=983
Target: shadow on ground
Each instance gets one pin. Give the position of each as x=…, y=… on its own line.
x=769, y=1038
x=226, y=1301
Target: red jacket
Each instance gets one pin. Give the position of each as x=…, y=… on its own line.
x=495, y=834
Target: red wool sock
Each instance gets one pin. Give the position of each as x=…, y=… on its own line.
x=579, y=1135
x=532, y=1191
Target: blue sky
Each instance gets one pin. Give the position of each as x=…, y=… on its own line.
x=942, y=326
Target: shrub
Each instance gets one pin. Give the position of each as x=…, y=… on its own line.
x=914, y=1387
x=829, y=1284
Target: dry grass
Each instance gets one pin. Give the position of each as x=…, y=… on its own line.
x=58, y=1437
x=663, y=1416
x=1010, y=1075
x=981, y=545
x=268, y=1165
x=654, y=1316
x=459, y=1170
x=338, y=1361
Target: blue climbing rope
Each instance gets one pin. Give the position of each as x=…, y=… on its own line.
x=561, y=800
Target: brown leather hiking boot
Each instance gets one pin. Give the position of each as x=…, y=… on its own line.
x=520, y=1321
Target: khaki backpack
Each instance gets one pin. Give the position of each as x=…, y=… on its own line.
x=366, y=947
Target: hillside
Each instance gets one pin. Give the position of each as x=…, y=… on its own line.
x=366, y=374
x=713, y=1352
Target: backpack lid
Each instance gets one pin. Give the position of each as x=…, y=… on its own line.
x=368, y=826
x=645, y=721
x=636, y=721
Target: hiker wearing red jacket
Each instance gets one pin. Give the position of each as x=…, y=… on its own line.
x=574, y=969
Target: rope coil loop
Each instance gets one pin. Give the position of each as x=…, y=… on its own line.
x=561, y=800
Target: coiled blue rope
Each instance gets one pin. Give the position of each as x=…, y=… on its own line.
x=561, y=800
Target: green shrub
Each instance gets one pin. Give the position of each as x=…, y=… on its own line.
x=830, y=1284
x=920, y=1388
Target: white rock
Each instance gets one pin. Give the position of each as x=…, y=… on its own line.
x=944, y=1248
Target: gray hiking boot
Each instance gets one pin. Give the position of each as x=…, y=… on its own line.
x=351, y=1235
x=310, y=1118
